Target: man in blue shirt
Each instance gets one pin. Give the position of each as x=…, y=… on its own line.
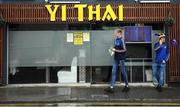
x=119, y=56
x=162, y=56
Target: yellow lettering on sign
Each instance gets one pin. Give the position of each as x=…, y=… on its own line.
x=80, y=8
x=109, y=13
x=120, y=12
x=95, y=12
x=52, y=12
x=63, y=12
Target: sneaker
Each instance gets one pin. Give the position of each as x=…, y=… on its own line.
x=125, y=89
x=156, y=87
x=105, y=80
x=159, y=88
x=109, y=90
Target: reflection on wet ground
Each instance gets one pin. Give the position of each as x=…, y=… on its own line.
x=87, y=97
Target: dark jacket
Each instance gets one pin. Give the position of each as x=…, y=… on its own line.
x=119, y=44
x=162, y=52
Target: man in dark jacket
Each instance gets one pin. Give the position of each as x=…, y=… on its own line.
x=119, y=56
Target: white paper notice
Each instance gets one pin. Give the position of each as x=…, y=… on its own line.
x=86, y=36
x=69, y=37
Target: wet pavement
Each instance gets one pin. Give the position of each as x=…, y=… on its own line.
x=87, y=96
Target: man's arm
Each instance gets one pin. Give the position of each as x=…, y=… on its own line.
x=167, y=55
x=157, y=46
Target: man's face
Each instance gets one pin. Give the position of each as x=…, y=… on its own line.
x=117, y=34
x=163, y=40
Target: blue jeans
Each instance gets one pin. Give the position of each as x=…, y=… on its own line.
x=123, y=71
x=158, y=73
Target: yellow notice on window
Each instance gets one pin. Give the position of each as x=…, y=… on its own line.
x=78, y=38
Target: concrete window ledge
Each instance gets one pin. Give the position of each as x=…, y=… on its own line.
x=77, y=85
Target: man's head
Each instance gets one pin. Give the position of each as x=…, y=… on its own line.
x=162, y=37
x=118, y=32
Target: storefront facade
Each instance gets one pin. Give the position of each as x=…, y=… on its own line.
x=30, y=37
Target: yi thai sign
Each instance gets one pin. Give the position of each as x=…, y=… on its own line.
x=94, y=12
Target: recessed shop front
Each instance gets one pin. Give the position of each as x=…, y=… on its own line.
x=78, y=53
x=73, y=48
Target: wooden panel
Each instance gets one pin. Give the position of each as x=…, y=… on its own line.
x=37, y=13
x=174, y=32
x=1, y=54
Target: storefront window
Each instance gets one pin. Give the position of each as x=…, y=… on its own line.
x=71, y=55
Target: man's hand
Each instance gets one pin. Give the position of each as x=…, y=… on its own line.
x=163, y=61
x=160, y=42
x=113, y=49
